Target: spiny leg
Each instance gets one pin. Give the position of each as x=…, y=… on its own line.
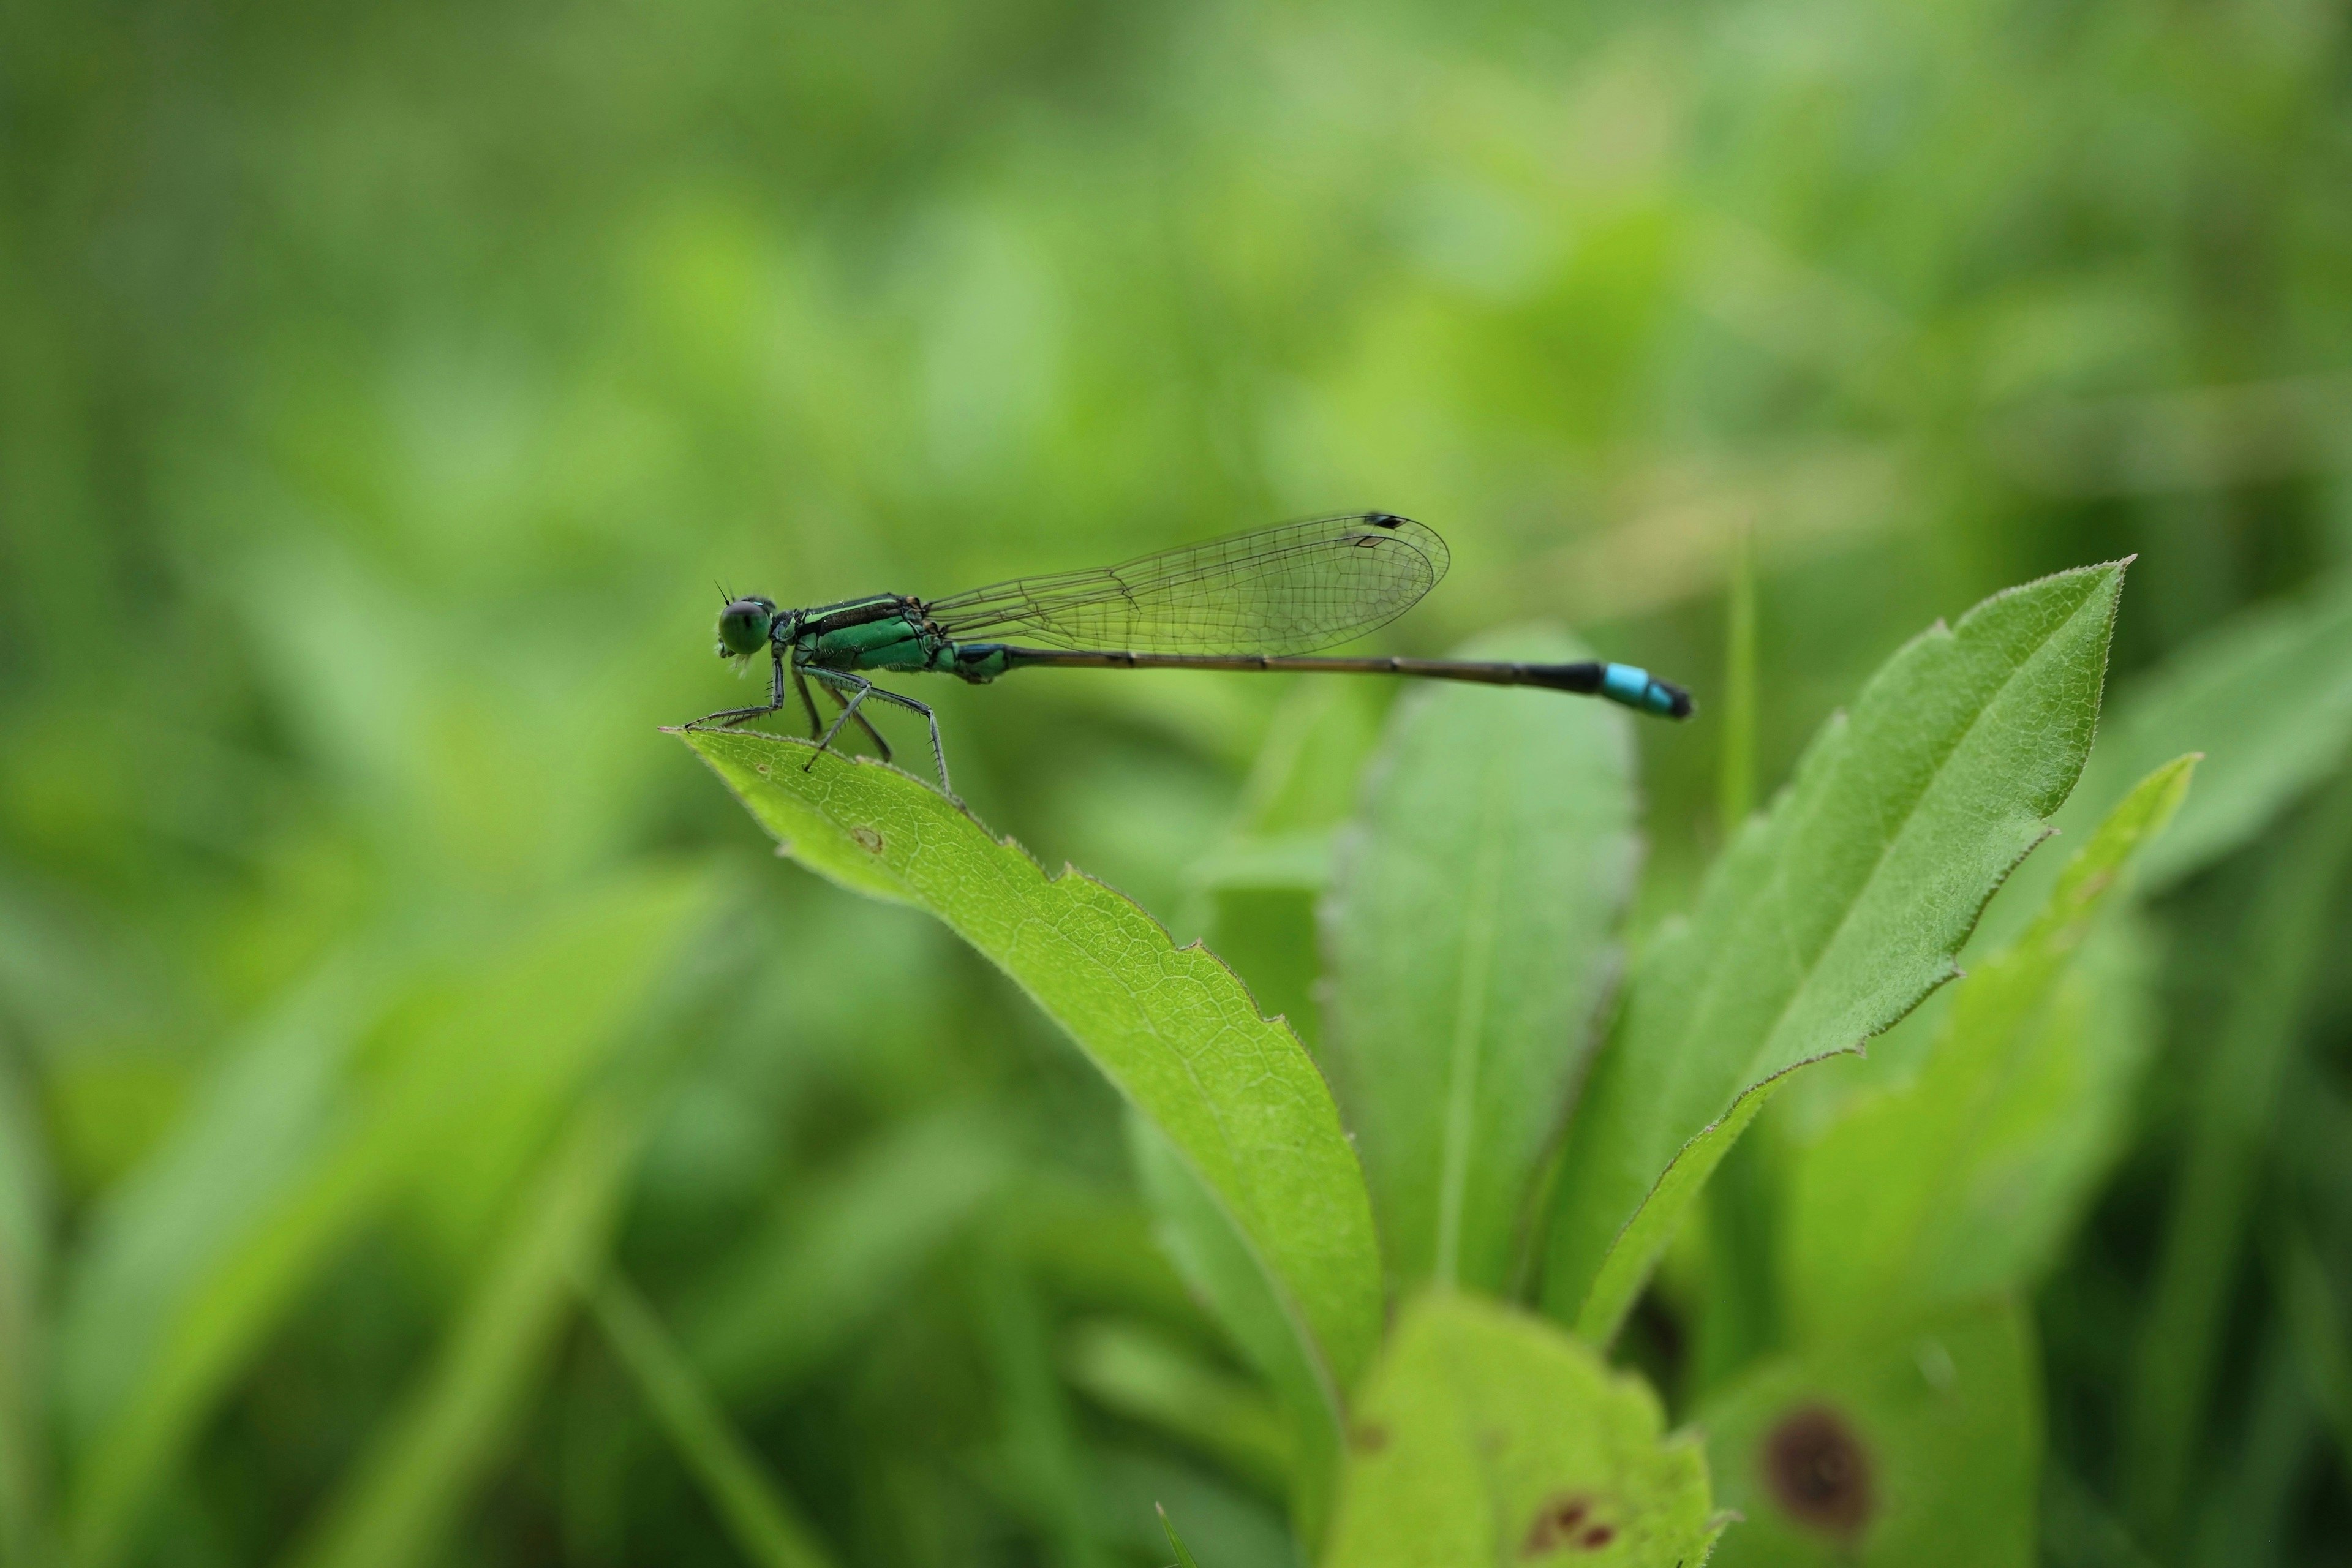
x=938, y=751
x=831, y=680
x=727, y=718
x=864, y=723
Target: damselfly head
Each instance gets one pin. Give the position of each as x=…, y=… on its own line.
x=743, y=627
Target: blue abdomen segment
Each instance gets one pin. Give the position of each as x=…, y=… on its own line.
x=1639, y=690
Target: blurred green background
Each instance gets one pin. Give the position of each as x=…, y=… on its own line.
x=382, y=389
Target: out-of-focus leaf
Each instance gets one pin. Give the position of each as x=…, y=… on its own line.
x=1485, y=1435
x=837, y=1253
x=1254, y=893
x=425, y=1463
x=285, y=1160
x=2078, y=1530
x=1235, y=1095
x=1916, y=1449
x=2249, y=1501
x=2268, y=699
x=1051, y=1469
x=1146, y=1376
x=1828, y=918
x=250, y=1137
x=24, y=1221
x=764, y=1521
x=1215, y=1260
x=2316, y=1314
x=1094, y=1249
x=2287, y=938
x=1963, y=1182
x=1469, y=926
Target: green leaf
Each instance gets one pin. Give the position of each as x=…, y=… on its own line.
x=1828, y=918
x=1917, y=1450
x=1965, y=1180
x=1173, y=1028
x=1469, y=927
x=764, y=1521
x=425, y=1463
x=1488, y=1435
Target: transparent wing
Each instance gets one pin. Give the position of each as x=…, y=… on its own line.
x=1288, y=589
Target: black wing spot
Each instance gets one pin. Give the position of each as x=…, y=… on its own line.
x=1382, y=518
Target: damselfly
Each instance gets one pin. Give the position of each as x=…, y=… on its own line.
x=1262, y=600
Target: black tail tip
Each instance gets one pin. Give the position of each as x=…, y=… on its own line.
x=1678, y=701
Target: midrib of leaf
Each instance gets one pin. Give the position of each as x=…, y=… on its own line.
x=1469, y=1025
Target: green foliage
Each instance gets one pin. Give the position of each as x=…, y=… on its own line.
x=383, y=391
x=1489, y=1435
x=1470, y=928
x=1831, y=917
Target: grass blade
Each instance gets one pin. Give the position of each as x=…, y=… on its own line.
x=1828, y=918
x=290, y=1153
x=426, y=1463
x=25, y=1226
x=2315, y=1313
x=1147, y=1376
x=1735, y=770
x=2288, y=939
x=1175, y=1543
x=840, y=1252
x=763, y=1522
x=1050, y=1467
x=1470, y=929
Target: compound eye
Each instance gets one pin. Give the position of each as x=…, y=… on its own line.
x=743, y=627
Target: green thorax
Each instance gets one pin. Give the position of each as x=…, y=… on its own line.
x=888, y=631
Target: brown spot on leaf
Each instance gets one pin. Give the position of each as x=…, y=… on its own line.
x=1599, y=1536
x=867, y=839
x=1370, y=1437
x=1556, y=1523
x=1818, y=1471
